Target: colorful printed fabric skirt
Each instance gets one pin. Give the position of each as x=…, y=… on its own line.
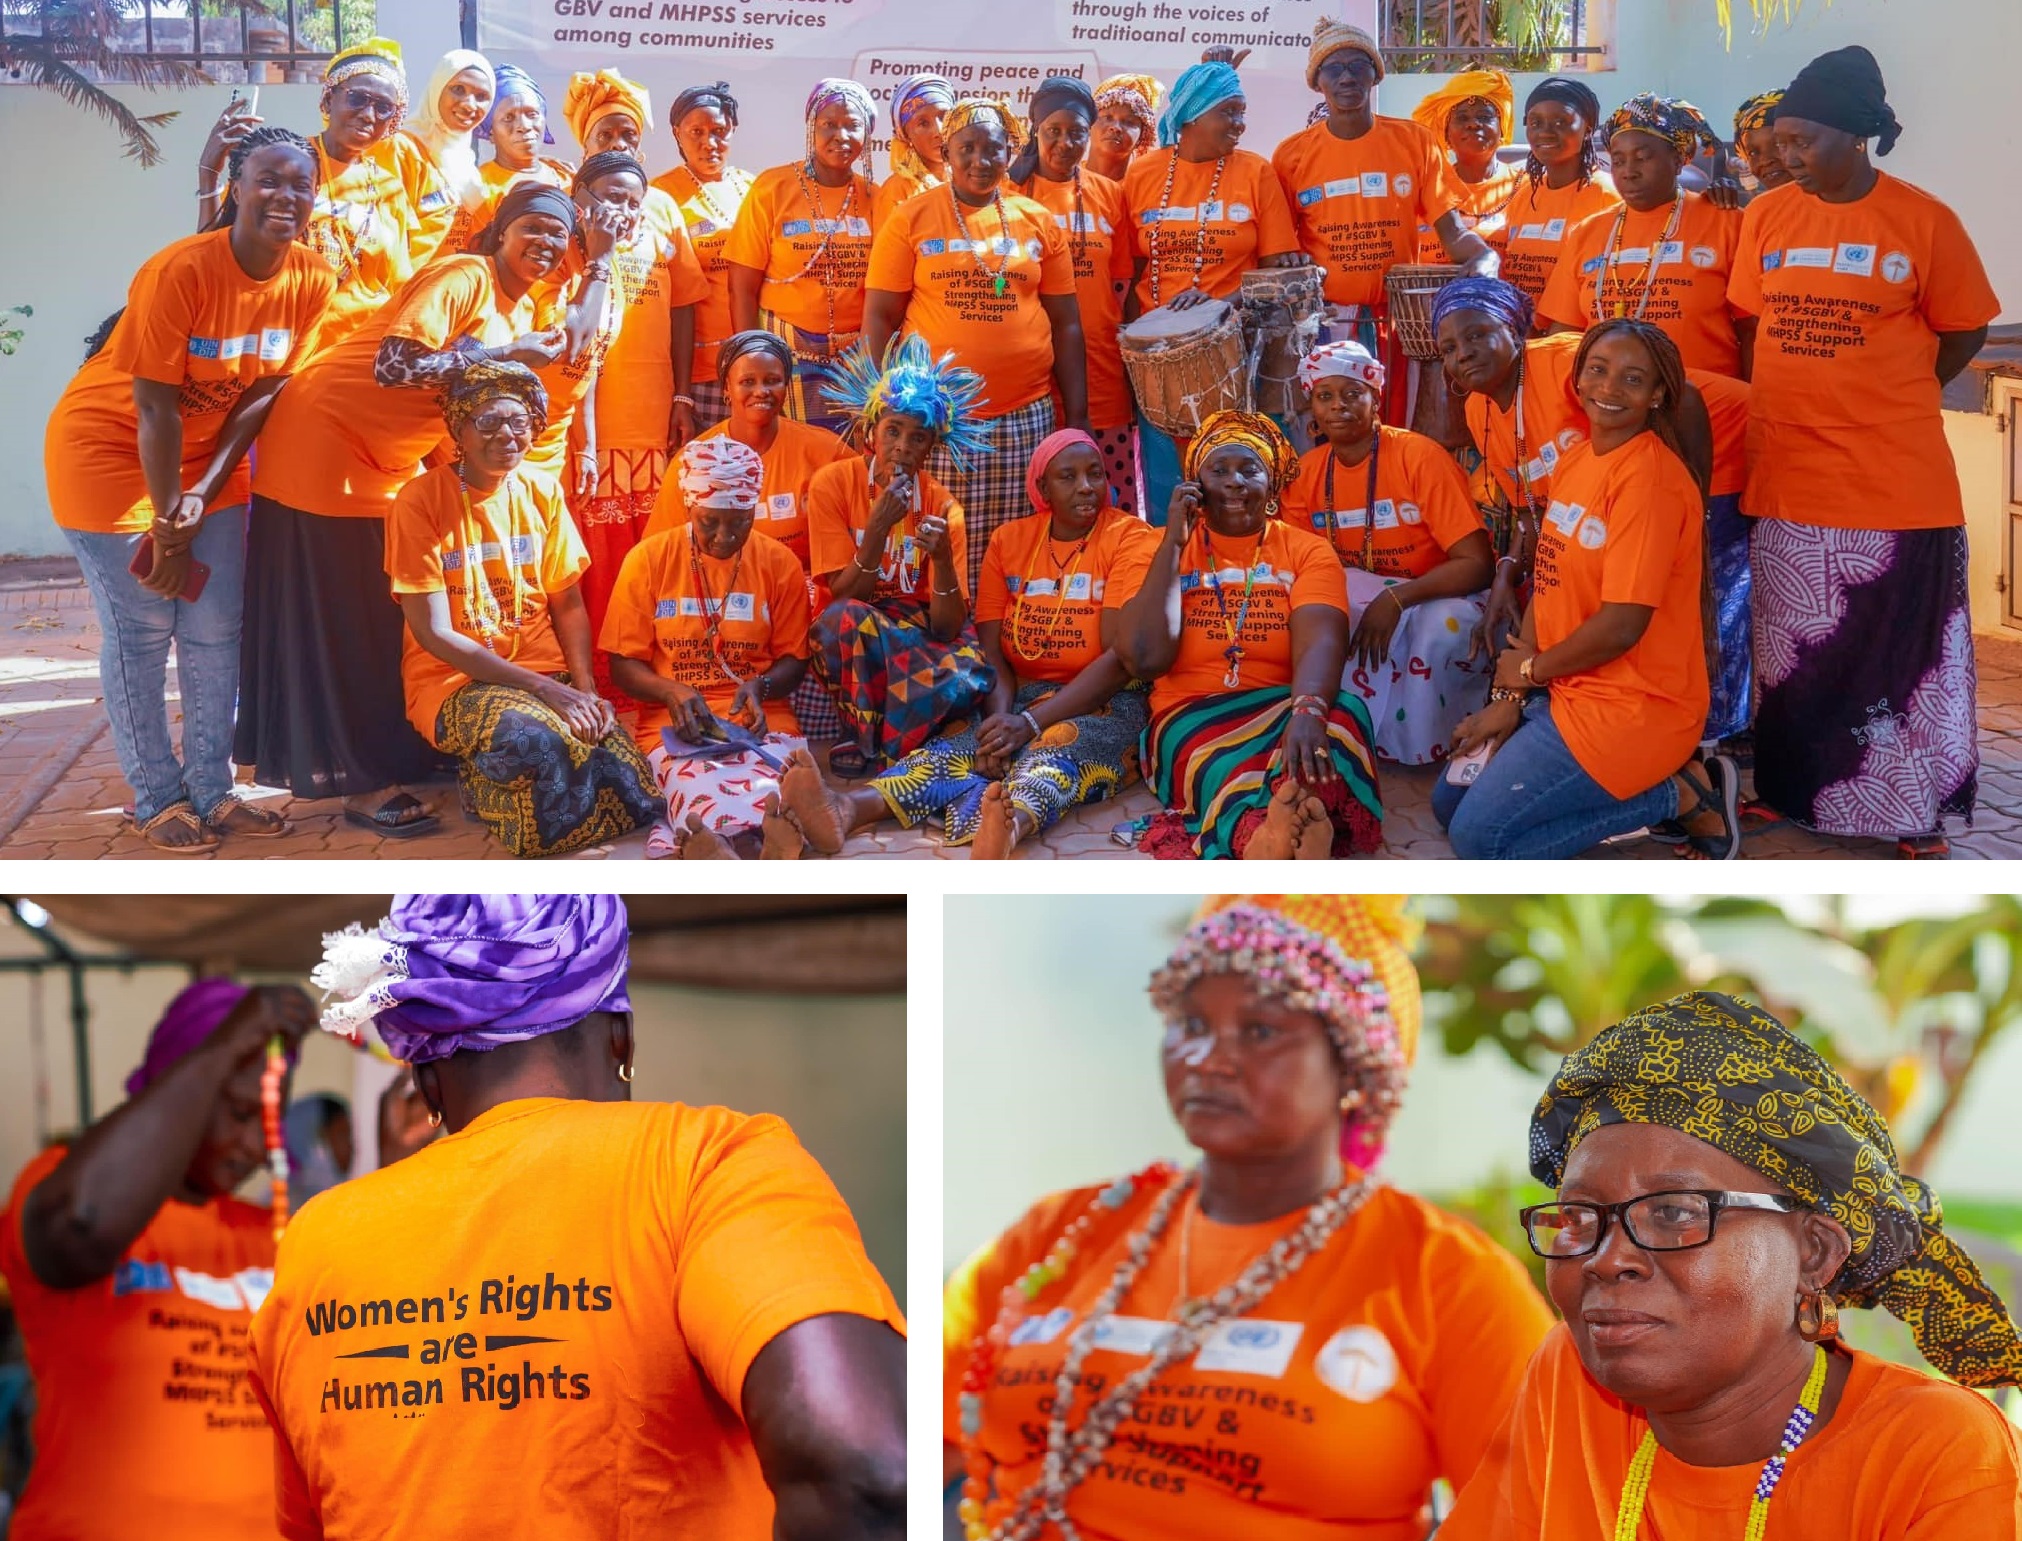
x=728, y=795
x=894, y=682
x=1119, y=463
x=807, y=397
x=1864, y=662
x=1086, y=759
x=1422, y=691
x=1214, y=762
x=1727, y=543
x=992, y=490
x=535, y=785
x=611, y=523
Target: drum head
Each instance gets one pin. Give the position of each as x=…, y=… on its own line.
x=1165, y=323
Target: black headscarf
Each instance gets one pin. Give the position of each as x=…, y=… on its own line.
x=1844, y=90
x=605, y=162
x=520, y=200
x=738, y=344
x=1583, y=101
x=1056, y=93
x=717, y=96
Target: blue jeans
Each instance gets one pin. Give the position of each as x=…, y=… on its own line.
x=133, y=664
x=1533, y=802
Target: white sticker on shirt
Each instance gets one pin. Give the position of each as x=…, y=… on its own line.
x=1705, y=257
x=1358, y=1362
x=1556, y=230
x=1041, y=1329
x=1246, y=1347
x=1410, y=513
x=1080, y=585
x=1342, y=187
x=1854, y=261
x=1593, y=532
x=1808, y=257
x=1564, y=516
x=1375, y=185
x=1896, y=267
x=1130, y=1334
x=779, y=506
x=1632, y=255
x=256, y=1284
x=206, y=1289
x=1401, y=185
x=740, y=607
x=1386, y=514
x=1671, y=253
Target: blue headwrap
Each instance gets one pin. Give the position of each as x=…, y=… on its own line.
x=1493, y=297
x=1199, y=90
x=913, y=383
x=514, y=81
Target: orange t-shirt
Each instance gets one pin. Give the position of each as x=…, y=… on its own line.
x=650, y=278
x=657, y=615
x=976, y=295
x=1852, y=297
x=1289, y=568
x=1627, y=528
x=1906, y=1457
x=496, y=178
x=1098, y=239
x=435, y=206
x=798, y=451
x=1535, y=225
x=194, y=320
x=544, y=1321
x=1685, y=278
x=1360, y=202
x=780, y=234
x=1553, y=422
x=143, y=1414
x=1049, y=595
x=900, y=187
x=1422, y=506
x=839, y=511
x=1245, y=219
x=523, y=541
x=366, y=226
x=1727, y=405
x=338, y=443
x=709, y=211
x=1387, y=1361
x=1484, y=209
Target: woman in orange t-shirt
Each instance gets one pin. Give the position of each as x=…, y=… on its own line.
x=441, y=129
x=1722, y=1194
x=517, y=127
x=1255, y=746
x=134, y=1275
x=1471, y=117
x=1865, y=296
x=1273, y=1344
x=987, y=279
x=1126, y=123
x=1563, y=182
x=1600, y=699
x=919, y=144
x=709, y=192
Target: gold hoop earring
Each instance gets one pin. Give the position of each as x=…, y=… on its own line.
x=435, y=1118
x=1818, y=1317
x=625, y=1072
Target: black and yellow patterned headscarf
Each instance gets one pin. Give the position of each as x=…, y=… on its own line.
x=1728, y=1073
x=1756, y=112
x=491, y=380
x=1669, y=118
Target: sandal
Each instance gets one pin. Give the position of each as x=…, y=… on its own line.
x=850, y=764
x=236, y=816
x=1719, y=793
x=401, y=817
x=183, y=817
x=1924, y=848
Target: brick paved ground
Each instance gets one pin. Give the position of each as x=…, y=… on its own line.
x=61, y=792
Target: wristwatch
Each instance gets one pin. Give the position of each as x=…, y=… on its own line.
x=1524, y=671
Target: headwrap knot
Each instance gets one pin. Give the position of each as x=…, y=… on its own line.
x=1675, y=121
x=1347, y=360
x=1331, y=36
x=1255, y=432
x=491, y=380
x=720, y=472
x=1756, y=112
x=594, y=97
x=717, y=96
x=512, y=83
x=1200, y=89
x=1844, y=90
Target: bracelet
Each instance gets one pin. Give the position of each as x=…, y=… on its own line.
x=1500, y=693
x=1309, y=700
x=1390, y=593
x=764, y=684
x=1524, y=672
x=1031, y=722
x=1310, y=711
x=684, y=401
x=857, y=562
x=948, y=592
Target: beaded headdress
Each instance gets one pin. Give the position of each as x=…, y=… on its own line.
x=913, y=383
x=377, y=56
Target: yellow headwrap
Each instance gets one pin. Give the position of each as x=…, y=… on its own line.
x=1491, y=86
x=1140, y=93
x=1253, y=431
x=593, y=97
x=970, y=108
x=375, y=56
x=1329, y=38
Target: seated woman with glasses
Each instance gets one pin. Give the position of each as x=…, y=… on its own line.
x=1697, y=1389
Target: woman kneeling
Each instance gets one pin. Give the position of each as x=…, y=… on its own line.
x=485, y=563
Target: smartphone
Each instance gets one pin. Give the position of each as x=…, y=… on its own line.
x=143, y=564
x=1463, y=770
x=253, y=103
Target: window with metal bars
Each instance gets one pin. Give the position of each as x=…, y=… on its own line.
x=1442, y=37
x=178, y=42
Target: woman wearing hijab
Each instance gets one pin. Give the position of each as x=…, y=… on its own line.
x=1755, y=143
x=1563, y=182
x=1308, y=1348
x=708, y=191
x=605, y=111
x=1255, y=748
x=1061, y=724
x=127, y=1227
x=1471, y=119
x=1126, y=123
x=440, y=129
x=617, y=1315
x=1722, y=1194
x=1864, y=647
x=799, y=251
x=919, y=153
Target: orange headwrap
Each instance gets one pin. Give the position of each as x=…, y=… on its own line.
x=593, y=97
x=1254, y=431
x=1491, y=86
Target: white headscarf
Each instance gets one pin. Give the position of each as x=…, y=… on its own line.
x=452, y=152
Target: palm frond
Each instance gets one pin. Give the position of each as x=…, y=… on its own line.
x=40, y=66
x=1765, y=12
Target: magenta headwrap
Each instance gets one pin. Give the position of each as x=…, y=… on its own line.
x=191, y=1018
x=447, y=972
x=1042, y=458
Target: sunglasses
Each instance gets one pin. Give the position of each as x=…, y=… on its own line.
x=383, y=109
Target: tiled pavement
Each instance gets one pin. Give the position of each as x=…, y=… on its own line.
x=61, y=792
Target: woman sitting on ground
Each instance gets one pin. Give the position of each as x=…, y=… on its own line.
x=1417, y=556
x=1255, y=748
x=894, y=646
x=1601, y=696
x=485, y=561
x=1722, y=1194
x=919, y=153
x=709, y=191
x=1062, y=722
x=1563, y=182
x=1126, y=123
x=708, y=627
x=1470, y=117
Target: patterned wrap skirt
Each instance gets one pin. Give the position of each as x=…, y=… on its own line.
x=895, y=683
x=536, y=786
x=992, y=490
x=1086, y=759
x=807, y=397
x=728, y=794
x=611, y=521
x=1865, y=723
x=1421, y=692
x=1214, y=762
x=1727, y=559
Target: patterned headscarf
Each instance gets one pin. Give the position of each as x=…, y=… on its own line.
x=378, y=56
x=1139, y=93
x=592, y=98
x=514, y=83
x=1043, y=458
x=1347, y=360
x=913, y=383
x=1675, y=121
x=757, y=340
x=1330, y=36
x=1728, y=1073
x=971, y=109
x=444, y=973
x=1496, y=298
x=833, y=89
x=1844, y=90
x=1253, y=431
x=720, y=472
x=492, y=380
x=1756, y=112
x=1200, y=89
x=908, y=96
x=1491, y=86
x=1344, y=957
x=190, y=1018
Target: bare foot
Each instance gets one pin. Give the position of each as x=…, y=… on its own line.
x=1278, y=836
x=704, y=844
x=1316, y=832
x=782, y=839
x=998, y=832
x=823, y=815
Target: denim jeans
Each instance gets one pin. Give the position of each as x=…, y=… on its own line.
x=1534, y=802
x=139, y=627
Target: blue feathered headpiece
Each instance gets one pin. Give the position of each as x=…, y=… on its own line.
x=913, y=383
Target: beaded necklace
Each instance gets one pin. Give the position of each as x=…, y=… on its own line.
x=1063, y=578
x=271, y=1078
x=1369, y=502
x=350, y=239
x=1636, y=1487
x=801, y=174
x=1078, y=224
x=1211, y=577
x=717, y=216
x=1010, y=247
x=1200, y=226
x=712, y=607
x=487, y=621
x=1607, y=277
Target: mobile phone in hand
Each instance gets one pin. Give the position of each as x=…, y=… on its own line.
x=143, y=564
x=1463, y=770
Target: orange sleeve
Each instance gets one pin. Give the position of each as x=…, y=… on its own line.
x=687, y=284
x=1647, y=517
x=670, y=506
x=1131, y=563
x=831, y=543
x=765, y=1243
x=1056, y=258
x=749, y=243
x=1317, y=576
x=295, y=1512
x=1441, y=489
x=1956, y=296
x=313, y=303
x=1744, y=274
x=564, y=557
x=13, y=1249
x=1502, y=1501
x=439, y=305
x=992, y=598
x=1277, y=232
x=413, y=551
x=792, y=617
x=628, y=620
x=1296, y=506
x=891, y=266
x=152, y=341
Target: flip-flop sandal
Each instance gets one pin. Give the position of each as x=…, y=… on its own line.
x=1759, y=815
x=182, y=816
x=1719, y=793
x=1923, y=848
x=387, y=818
x=240, y=817
x=850, y=764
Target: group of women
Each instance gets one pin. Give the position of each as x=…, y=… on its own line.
x=1272, y=1342
x=782, y=481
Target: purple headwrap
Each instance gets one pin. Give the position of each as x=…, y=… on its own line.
x=191, y=1018
x=448, y=972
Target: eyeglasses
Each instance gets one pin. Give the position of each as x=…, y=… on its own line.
x=1673, y=1221
x=497, y=425
x=383, y=109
